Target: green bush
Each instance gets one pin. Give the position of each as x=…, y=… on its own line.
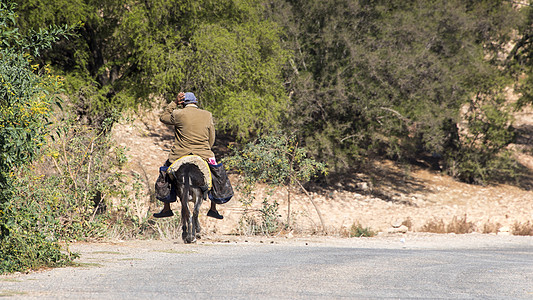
x=360, y=231
x=479, y=154
x=27, y=92
x=277, y=160
x=28, y=235
x=62, y=196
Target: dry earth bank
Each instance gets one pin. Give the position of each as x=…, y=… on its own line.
x=394, y=194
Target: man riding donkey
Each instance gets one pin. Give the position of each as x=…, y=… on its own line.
x=194, y=133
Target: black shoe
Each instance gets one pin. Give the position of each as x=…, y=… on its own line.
x=164, y=214
x=214, y=214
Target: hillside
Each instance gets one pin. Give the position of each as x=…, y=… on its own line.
x=386, y=195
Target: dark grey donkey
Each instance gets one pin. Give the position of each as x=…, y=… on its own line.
x=191, y=187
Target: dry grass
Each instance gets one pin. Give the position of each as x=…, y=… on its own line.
x=456, y=225
x=523, y=228
x=491, y=227
x=408, y=223
x=434, y=226
x=460, y=226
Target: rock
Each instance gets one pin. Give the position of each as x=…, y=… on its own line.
x=401, y=229
x=364, y=186
x=505, y=230
x=396, y=223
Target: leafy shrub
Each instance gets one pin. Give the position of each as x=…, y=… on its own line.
x=263, y=221
x=28, y=234
x=61, y=196
x=479, y=154
x=79, y=171
x=384, y=79
x=360, y=231
x=276, y=159
x=27, y=92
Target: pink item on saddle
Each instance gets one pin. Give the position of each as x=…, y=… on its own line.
x=212, y=161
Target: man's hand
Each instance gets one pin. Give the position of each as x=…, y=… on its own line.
x=180, y=98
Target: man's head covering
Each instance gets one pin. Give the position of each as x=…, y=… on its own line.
x=189, y=98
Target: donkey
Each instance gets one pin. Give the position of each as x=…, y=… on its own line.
x=191, y=187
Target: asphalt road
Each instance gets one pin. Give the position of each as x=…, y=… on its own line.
x=397, y=267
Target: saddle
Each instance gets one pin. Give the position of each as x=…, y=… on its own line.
x=195, y=160
x=216, y=181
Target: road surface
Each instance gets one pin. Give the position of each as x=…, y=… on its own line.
x=412, y=266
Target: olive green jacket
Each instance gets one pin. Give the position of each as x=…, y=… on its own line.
x=194, y=131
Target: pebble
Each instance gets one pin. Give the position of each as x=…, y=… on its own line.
x=396, y=223
x=505, y=230
x=401, y=229
x=363, y=186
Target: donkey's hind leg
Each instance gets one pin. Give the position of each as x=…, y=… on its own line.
x=198, y=199
x=185, y=221
x=185, y=212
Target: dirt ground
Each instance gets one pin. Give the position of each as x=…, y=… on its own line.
x=395, y=195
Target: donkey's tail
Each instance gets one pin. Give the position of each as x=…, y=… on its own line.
x=186, y=185
x=185, y=212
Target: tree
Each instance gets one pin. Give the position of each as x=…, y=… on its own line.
x=518, y=61
x=383, y=78
x=226, y=52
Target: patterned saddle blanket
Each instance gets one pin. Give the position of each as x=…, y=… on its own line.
x=195, y=160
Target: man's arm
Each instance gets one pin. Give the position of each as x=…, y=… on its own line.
x=211, y=129
x=166, y=115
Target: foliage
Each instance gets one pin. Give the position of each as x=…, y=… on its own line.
x=352, y=79
x=23, y=244
x=26, y=94
x=480, y=155
x=518, y=60
x=360, y=231
x=128, y=52
x=262, y=221
x=275, y=159
x=62, y=196
x=387, y=79
x=83, y=166
x=66, y=195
